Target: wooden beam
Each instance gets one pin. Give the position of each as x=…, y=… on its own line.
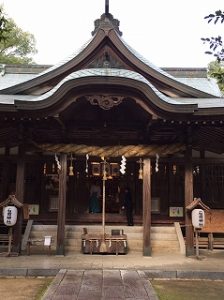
x=20, y=177
x=147, y=207
x=60, y=250
x=188, y=199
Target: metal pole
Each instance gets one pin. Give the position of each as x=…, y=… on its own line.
x=103, y=247
x=196, y=243
x=104, y=198
x=10, y=241
x=107, y=7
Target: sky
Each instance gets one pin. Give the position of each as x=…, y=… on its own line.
x=167, y=33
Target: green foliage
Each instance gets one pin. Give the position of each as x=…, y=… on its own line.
x=16, y=45
x=215, y=43
x=3, y=23
x=216, y=70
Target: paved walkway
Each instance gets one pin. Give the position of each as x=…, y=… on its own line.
x=211, y=261
x=82, y=276
x=100, y=285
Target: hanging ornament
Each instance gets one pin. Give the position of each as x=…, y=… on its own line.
x=123, y=165
x=174, y=169
x=197, y=169
x=87, y=166
x=71, y=172
x=57, y=162
x=140, y=172
x=104, y=169
x=157, y=163
x=45, y=169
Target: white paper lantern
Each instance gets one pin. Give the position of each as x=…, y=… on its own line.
x=198, y=218
x=10, y=215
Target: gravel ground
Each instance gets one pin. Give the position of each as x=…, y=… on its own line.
x=189, y=289
x=23, y=288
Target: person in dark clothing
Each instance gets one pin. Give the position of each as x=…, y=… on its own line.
x=95, y=193
x=128, y=206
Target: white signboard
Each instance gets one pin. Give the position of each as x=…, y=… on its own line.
x=47, y=240
x=176, y=211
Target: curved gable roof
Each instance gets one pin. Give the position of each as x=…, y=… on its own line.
x=148, y=97
x=106, y=34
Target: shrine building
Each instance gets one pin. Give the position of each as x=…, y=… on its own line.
x=107, y=106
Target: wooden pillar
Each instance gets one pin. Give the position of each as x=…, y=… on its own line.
x=4, y=193
x=147, y=207
x=171, y=186
x=20, y=178
x=61, y=206
x=188, y=199
x=202, y=174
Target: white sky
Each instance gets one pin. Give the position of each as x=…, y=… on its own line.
x=167, y=33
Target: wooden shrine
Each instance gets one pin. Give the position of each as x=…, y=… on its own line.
x=59, y=123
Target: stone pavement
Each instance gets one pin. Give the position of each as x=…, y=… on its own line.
x=212, y=261
x=73, y=272
x=100, y=285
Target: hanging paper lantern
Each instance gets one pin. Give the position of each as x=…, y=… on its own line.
x=174, y=169
x=71, y=170
x=10, y=215
x=198, y=218
x=140, y=174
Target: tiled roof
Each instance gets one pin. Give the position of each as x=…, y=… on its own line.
x=106, y=72
x=202, y=84
x=207, y=85
x=8, y=80
x=202, y=103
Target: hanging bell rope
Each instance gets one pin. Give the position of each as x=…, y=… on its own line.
x=103, y=246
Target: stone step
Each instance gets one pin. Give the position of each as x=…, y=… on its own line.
x=77, y=235
x=98, y=228
x=132, y=235
x=162, y=238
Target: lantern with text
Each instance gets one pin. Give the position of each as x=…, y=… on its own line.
x=10, y=215
x=198, y=218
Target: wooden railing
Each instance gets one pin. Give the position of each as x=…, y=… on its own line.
x=213, y=229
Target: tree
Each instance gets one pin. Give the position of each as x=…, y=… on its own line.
x=3, y=22
x=16, y=45
x=215, y=43
x=216, y=70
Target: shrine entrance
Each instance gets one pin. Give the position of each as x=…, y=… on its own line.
x=82, y=174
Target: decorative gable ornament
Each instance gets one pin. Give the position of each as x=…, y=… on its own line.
x=105, y=102
x=107, y=21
